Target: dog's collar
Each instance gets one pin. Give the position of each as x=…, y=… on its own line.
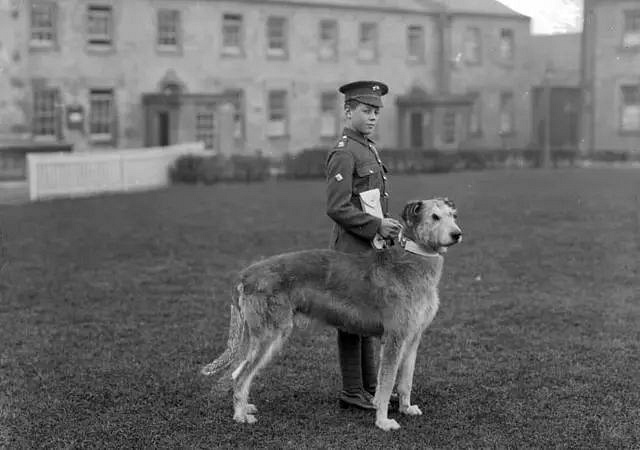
x=413, y=247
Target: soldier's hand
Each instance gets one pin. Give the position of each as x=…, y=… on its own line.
x=389, y=228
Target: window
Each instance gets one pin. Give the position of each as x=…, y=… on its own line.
x=232, y=34
x=43, y=24
x=101, y=115
x=168, y=29
x=329, y=114
x=472, y=46
x=631, y=37
x=277, y=125
x=99, y=25
x=506, y=45
x=206, y=126
x=368, y=42
x=415, y=42
x=328, y=40
x=475, y=117
x=506, y=113
x=277, y=37
x=449, y=127
x=46, y=116
x=630, y=117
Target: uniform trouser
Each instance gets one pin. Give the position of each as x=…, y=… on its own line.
x=357, y=362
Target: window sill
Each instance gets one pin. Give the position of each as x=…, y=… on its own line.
x=506, y=134
x=277, y=57
x=415, y=61
x=105, y=139
x=100, y=49
x=39, y=47
x=279, y=136
x=232, y=53
x=629, y=50
x=476, y=134
x=169, y=50
x=45, y=138
x=629, y=133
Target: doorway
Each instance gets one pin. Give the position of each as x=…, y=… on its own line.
x=163, y=128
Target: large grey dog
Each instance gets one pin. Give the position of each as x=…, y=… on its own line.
x=391, y=293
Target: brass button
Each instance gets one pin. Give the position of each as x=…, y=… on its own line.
x=386, y=194
x=370, y=170
x=384, y=178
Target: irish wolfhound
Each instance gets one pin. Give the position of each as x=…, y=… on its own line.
x=391, y=293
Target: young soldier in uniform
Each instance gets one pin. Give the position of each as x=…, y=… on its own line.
x=354, y=166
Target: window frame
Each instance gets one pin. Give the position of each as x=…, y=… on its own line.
x=277, y=52
x=329, y=98
x=476, y=110
x=163, y=15
x=623, y=105
x=507, y=99
x=629, y=16
x=274, y=131
x=235, y=20
x=331, y=44
x=472, y=34
x=110, y=121
x=207, y=134
x=368, y=50
x=96, y=40
x=52, y=12
x=54, y=115
x=512, y=45
x=418, y=58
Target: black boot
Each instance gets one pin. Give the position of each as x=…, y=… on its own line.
x=353, y=394
x=368, y=364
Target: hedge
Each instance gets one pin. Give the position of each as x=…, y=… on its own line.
x=215, y=168
x=310, y=163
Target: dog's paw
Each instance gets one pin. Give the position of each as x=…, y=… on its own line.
x=245, y=418
x=250, y=409
x=410, y=410
x=387, y=424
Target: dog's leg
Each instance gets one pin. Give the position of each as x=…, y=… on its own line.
x=390, y=353
x=261, y=350
x=405, y=378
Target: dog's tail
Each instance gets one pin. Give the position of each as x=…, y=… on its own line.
x=236, y=344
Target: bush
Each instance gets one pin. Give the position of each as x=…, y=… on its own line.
x=216, y=168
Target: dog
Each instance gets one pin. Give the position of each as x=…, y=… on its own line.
x=390, y=293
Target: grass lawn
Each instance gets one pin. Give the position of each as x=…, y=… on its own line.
x=110, y=306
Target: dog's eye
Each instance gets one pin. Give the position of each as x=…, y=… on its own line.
x=435, y=217
x=455, y=216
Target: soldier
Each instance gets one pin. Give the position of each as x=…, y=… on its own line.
x=354, y=166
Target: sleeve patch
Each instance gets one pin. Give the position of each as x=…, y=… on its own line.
x=339, y=177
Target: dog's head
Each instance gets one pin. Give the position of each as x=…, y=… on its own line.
x=432, y=223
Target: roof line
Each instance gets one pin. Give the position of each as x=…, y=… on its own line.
x=328, y=4
x=437, y=9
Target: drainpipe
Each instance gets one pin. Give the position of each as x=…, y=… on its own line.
x=587, y=74
x=444, y=53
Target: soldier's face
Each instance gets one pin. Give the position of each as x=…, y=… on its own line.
x=364, y=118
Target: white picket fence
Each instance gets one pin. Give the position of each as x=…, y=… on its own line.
x=89, y=173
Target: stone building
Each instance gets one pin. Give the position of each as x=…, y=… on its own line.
x=249, y=75
x=610, y=70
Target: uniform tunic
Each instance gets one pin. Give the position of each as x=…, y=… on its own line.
x=354, y=166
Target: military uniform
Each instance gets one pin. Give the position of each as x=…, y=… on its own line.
x=353, y=166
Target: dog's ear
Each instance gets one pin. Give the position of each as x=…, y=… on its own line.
x=411, y=211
